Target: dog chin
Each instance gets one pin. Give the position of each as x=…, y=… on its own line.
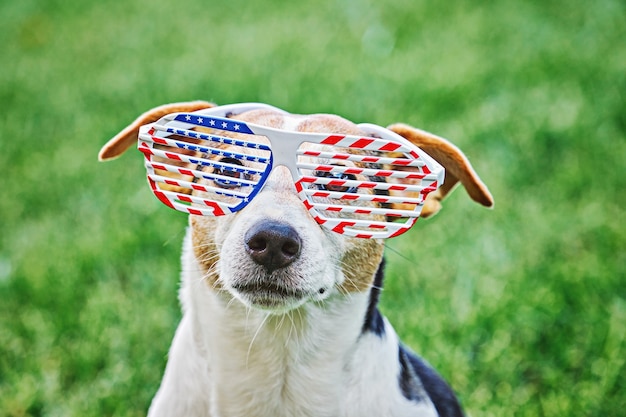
x=276, y=303
x=276, y=298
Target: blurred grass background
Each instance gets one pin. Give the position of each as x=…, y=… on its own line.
x=522, y=309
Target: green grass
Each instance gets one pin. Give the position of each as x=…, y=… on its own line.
x=522, y=309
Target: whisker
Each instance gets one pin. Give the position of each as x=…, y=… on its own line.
x=176, y=235
x=400, y=254
x=230, y=302
x=258, y=330
x=294, y=330
x=292, y=327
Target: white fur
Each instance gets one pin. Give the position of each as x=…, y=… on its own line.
x=231, y=360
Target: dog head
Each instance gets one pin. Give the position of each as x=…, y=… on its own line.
x=273, y=254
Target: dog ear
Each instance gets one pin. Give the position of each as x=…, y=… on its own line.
x=127, y=137
x=457, y=166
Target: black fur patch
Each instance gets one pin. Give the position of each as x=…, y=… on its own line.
x=418, y=378
x=374, y=322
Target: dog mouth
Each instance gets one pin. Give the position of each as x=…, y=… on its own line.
x=269, y=294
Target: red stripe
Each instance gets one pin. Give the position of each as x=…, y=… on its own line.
x=159, y=140
x=332, y=140
x=400, y=231
x=418, y=176
x=402, y=162
x=172, y=156
x=391, y=146
x=194, y=211
x=353, y=171
x=163, y=198
x=361, y=143
x=217, y=210
x=339, y=228
x=146, y=152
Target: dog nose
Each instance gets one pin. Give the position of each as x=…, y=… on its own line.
x=272, y=244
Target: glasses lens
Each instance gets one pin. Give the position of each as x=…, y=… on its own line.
x=223, y=173
x=366, y=188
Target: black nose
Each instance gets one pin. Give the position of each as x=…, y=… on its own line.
x=273, y=244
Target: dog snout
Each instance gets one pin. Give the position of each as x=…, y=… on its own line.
x=273, y=244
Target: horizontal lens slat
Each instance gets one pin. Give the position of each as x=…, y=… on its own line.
x=362, y=197
x=192, y=134
x=365, y=171
x=208, y=150
x=365, y=143
x=197, y=174
x=404, y=162
x=204, y=162
x=196, y=187
x=367, y=210
x=191, y=202
x=364, y=184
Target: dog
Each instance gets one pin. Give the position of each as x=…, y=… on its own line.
x=280, y=314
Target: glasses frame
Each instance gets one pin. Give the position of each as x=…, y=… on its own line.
x=285, y=148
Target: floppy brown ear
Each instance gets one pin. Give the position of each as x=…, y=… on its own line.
x=457, y=166
x=127, y=137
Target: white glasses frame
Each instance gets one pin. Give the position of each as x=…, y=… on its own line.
x=334, y=202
